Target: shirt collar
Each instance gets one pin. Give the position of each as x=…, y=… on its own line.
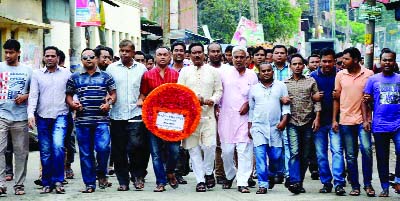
x=270, y=86
x=362, y=71
x=134, y=64
x=44, y=70
x=83, y=71
x=301, y=77
x=319, y=72
x=284, y=66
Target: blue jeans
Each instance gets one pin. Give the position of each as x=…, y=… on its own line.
x=299, y=147
x=349, y=134
x=281, y=168
x=382, y=145
x=51, y=134
x=321, y=147
x=157, y=153
x=94, y=137
x=261, y=152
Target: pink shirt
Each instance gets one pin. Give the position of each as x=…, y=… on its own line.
x=233, y=127
x=351, y=93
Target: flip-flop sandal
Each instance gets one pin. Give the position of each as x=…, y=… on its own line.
x=370, y=191
x=159, y=188
x=3, y=190
x=384, y=193
x=123, y=188
x=59, y=188
x=139, y=183
x=46, y=189
x=262, y=190
x=355, y=192
x=19, y=190
x=89, y=189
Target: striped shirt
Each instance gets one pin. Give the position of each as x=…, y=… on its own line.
x=152, y=79
x=302, y=106
x=282, y=74
x=91, y=91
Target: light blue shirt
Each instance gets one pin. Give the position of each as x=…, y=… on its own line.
x=47, y=93
x=266, y=111
x=127, y=81
x=14, y=81
x=282, y=74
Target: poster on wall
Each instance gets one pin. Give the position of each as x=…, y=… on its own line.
x=248, y=33
x=87, y=13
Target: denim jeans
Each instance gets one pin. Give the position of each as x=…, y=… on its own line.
x=321, y=138
x=93, y=137
x=156, y=150
x=261, y=152
x=129, y=149
x=51, y=134
x=382, y=145
x=349, y=134
x=69, y=142
x=299, y=146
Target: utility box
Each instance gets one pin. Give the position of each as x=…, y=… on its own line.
x=319, y=44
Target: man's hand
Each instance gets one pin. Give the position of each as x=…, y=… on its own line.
x=31, y=122
x=317, y=97
x=105, y=107
x=367, y=126
x=367, y=98
x=139, y=102
x=335, y=126
x=201, y=99
x=281, y=126
x=249, y=133
x=285, y=100
x=335, y=95
x=244, y=109
x=315, y=124
x=21, y=98
x=209, y=102
x=76, y=105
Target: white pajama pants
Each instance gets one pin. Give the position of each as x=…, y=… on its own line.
x=245, y=161
x=202, y=165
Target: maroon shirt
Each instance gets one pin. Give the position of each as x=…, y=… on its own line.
x=152, y=79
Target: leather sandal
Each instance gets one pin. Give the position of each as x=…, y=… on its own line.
x=243, y=189
x=384, y=193
x=3, y=190
x=262, y=190
x=46, y=189
x=159, y=188
x=201, y=187
x=172, y=181
x=19, y=190
x=89, y=189
x=228, y=183
x=370, y=191
x=355, y=192
x=210, y=181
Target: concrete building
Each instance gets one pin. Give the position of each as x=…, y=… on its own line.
x=22, y=20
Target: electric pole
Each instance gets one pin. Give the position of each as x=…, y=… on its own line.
x=316, y=19
x=369, y=38
x=166, y=22
x=75, y=39
x=254, y=10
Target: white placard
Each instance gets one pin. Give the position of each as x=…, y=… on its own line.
x=170, y=121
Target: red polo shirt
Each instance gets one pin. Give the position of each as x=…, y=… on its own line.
x=152, y=79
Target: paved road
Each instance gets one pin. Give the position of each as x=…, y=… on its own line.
x=184, y=192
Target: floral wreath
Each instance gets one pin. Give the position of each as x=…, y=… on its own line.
x=174, y=99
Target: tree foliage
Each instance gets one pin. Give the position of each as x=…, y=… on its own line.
x=279, y=18
x=357, y=29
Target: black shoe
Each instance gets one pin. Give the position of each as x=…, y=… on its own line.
x=210, y=180
x=295, y=188
x=221, y=179
x=271, y=183
x=315, y=175
x=391, y=176
x=302, y=190
x=38, y=182
x=180, y=179
x=327, y=188
x=278, y=179
x=287, y=182
x=339, y=190
x=251, y=183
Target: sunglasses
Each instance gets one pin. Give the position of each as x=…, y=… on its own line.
x=88, y=57
x=339, y=63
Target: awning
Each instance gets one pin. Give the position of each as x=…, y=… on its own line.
x=22, y=22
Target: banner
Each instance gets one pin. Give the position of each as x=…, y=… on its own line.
x=87, y=13
x=248, y=33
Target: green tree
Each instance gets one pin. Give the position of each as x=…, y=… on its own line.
x=279, y=18
x=357, y=29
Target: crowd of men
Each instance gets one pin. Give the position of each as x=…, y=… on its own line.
x=266, y=113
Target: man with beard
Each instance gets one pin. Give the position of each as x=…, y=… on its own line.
x=91, y=86
x=129, y=143
x=205, y=81
x=267, y=119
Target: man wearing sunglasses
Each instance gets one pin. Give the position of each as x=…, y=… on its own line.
x=91, y=86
